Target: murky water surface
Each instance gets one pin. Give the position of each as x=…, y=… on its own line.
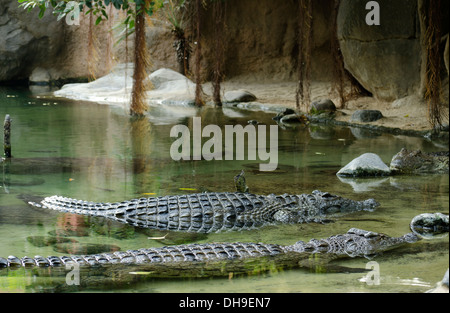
x=98, y=153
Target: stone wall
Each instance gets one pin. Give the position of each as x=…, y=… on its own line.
x=260, y=44
x=25, y=40
x=56, y=49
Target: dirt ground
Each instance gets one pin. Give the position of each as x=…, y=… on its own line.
x=409, y=113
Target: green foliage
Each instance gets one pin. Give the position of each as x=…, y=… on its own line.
x=96, y=7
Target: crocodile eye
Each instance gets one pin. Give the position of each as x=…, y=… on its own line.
x=328, y=195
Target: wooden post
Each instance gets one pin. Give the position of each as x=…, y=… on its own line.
x=7, y=136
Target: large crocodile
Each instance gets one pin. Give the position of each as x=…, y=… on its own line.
x=224, y=258
x=212, y=212
x=418, y=162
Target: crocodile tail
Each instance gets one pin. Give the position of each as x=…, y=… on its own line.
x=63, y=204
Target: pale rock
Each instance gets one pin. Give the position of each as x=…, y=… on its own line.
x=368, y=164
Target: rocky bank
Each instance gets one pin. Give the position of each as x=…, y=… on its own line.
x=260, y=53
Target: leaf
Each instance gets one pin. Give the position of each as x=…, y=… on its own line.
x=116, y=5
x=104, y=14
x=42, y=12
x=99, y=19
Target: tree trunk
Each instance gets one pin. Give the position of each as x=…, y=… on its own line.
x=138, y=95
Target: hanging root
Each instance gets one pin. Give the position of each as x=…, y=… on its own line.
x=433, y=87
x=93, y=53
x=219, y=15
x=305, y=42
x=198, y=52
x=141, y=63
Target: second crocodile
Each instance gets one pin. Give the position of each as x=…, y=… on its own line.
x=212, y=212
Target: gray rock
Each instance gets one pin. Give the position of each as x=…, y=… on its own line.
x=240, y=95
x=170, y=88
x=384, y=58
x=163, y=76
x=366, y=116
x=325, y=105
x=280, y=115
x=40, y=76
x=293, y=119
x=26, y=41
x=368, y=164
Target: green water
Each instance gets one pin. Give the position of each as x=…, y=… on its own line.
x=98, y=153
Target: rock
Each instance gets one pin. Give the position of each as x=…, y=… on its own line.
x=26, y=40
x=284, y=113
x=170, y=87
x=240, y=95
x=114, y=88
x=294, y=119
x=366, y=116
x=385, y=58
x=320, y=106
x=162, y=76
x=368, y=164
x=429, y=225
x=40, y=76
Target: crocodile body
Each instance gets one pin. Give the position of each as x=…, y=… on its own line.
x=213, y=212
x=215, y=259
x=418, y=162
x=354, y=243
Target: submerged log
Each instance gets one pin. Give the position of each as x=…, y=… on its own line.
x=7, y=136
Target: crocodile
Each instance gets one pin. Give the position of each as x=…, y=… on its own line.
x=220, y=259
x=213, y=211
x=418, y=162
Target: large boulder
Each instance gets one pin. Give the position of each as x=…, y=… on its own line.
x=169, y=87
x=384, y=58
x=26, y=41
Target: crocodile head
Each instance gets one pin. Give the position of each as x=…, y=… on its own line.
x=368, y=244
x=407, y=162
x=355, y=243
x=330, y=204
x=317, y=205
